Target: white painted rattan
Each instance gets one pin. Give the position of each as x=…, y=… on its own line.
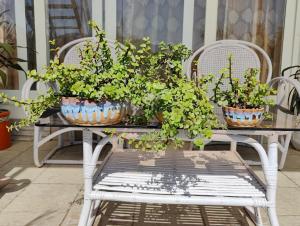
x=213, y=57
x=210, y=59
x=176, y=177
x=71, y=57
x=284, y=86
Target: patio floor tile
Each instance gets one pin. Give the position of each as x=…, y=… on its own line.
x=283, y=179
x=293, y=176
x=44, y=197
x=37, y=218
x=9, y=193
x=289, y=220
x=288, y=201
x=72, y=217
x=25, y=173
x=64, y=174
x=14, y=151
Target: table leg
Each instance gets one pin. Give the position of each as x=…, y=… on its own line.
x=88, y=176
x=271, y=176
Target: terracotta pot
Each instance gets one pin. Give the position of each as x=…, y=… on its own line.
x=159, y=116
x=239, y=117
x=96, y=113
x=5, y=136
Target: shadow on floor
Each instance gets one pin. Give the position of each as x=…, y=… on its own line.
x=140, y=214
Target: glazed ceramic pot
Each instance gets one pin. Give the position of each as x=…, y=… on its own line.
x=96, y=113
x=238, y=117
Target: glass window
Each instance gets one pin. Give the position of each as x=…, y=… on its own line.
x=199, y=23
x=159, y=20
x=8, y=35
x=257, y=21
x=68, y=20
x=30, y=29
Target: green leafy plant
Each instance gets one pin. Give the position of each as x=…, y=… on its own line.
x=161, y=88
x=96, y=77
x=7, y=60
x=153, y=82
x=246, y=94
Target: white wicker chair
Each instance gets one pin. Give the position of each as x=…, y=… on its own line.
x=210, y=59
x=71, y=57
x=285, y=83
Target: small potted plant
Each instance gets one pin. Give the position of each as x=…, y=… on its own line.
x=243, y=102
x=94, y=92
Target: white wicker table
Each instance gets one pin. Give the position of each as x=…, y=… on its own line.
x=178, y=177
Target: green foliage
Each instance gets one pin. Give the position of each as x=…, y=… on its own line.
x=247, y=94
x=34, y=108
x=7, y=60
x=161, y=87
x=96, y=77
x=152, y=81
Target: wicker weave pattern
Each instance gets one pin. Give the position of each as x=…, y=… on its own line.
x=215, y=58
x=72, y=56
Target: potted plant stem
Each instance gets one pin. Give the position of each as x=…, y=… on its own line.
x=243, y=103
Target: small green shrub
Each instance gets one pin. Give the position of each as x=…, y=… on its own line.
x=250, y=93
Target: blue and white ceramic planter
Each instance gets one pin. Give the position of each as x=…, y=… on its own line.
x=238, y=117
x=86, y=112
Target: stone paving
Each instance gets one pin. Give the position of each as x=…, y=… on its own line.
x=52, y=195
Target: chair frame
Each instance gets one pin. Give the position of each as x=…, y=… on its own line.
x=38, y=139
x=285, y=138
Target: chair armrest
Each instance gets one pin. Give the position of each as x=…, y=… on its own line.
x=26, y=88
x=285, y=81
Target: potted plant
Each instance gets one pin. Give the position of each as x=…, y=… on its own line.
x=152, y=81
x=243, y=103
x=92, y=93
x=7, y=61
x=162, y=91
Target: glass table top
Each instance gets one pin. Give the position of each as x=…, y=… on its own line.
x=281, y=120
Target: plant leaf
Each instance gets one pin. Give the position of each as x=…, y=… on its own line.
x=3, y=79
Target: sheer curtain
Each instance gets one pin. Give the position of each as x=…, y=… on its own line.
x=257, y=21
x=161, y=20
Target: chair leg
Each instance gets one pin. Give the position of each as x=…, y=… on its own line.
x=72, y=137
x=85, y=212
x=273, y=216
x=258, y=220
x=233, y=146
x=93, y=212
x=284, y=151
x=36, y=140
x=60, y=141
